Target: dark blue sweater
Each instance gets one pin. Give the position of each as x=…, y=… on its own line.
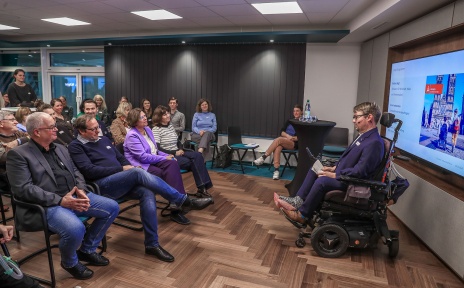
x=96, y=160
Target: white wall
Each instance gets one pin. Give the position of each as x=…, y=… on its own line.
x=331, y=81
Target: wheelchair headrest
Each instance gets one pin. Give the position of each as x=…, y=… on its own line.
x=387, y=119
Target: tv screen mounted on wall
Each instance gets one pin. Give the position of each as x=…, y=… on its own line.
x=427, y=95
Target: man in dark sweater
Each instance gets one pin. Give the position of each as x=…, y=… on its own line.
x=101, y=162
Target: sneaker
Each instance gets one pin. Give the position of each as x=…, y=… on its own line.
x=259, y=161
x=295, y=202
x=275, y=175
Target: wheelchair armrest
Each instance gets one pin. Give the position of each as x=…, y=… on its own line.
x=363, y=182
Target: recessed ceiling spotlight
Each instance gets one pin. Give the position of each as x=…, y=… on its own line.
x=157, y=14
x=66, y=21
x=278, y=8
x=110, y=44
x=48, y=45
x=183, y=42
x=272, y=41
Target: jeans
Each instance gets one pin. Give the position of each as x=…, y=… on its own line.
x=63, y=221
x=193, y=161
x=137, y=183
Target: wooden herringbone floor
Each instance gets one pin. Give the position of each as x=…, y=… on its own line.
x=244, y=241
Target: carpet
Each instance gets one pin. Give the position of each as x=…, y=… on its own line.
x=262, y=171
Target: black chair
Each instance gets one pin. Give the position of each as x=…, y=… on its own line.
x=335, y=143
x=194, y=146
x=287, y=156
x=21, y=226
x=339, y=224
x=4, y=192
x=234, y=140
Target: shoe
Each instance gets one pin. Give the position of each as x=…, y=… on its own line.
x=93, y=259
x=295, y=218
x=290, y=203
x=195, y=204
x=79, y=271
x=160, y=253
x=179, y=218
x=202, y=193
x=276, y=175
x=259, y=161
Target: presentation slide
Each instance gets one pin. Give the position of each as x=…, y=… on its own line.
x=427, y=95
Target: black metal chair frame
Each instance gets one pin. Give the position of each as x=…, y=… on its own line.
x=287, y=156
x=48, y=248
x=2, y=211
x=234, y=140
x=194, y=145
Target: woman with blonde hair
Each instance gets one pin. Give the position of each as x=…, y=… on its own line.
x=102, y=110
x=21, y=116
x=119, y=126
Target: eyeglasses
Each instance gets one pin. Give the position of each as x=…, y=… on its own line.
x=11, y=120
x=51, y=128
x=93, y=129
x=356, y=117
x=143, y=117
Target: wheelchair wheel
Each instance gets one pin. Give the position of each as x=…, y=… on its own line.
x=394, y=246
x=300, y=242
x=329, y=241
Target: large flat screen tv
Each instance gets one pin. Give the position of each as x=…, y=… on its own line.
x=427, y=95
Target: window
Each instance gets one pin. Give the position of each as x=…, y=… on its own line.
x=77, y=59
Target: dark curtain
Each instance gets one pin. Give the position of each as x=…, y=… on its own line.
x=254, y=86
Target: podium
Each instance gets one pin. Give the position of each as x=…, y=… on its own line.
x=311, y=135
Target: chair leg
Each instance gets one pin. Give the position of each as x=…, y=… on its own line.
x=240, y=160
x=214, y=158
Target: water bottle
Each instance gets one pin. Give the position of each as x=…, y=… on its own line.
x=307, y=111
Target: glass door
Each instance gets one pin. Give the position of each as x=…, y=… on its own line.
x=76, y=87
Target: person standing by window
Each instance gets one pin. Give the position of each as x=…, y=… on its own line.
x=20, y=92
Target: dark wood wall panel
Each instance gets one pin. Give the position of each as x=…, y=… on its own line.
x=254, y=86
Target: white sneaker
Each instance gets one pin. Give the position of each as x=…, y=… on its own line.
x=275, y=176
x=259, y=161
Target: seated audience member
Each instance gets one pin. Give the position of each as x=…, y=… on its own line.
x=43, y=173
x=287, y=140
x=102, y=110
x=360, y=160
x=68, y=111
x=119, y=126
x=64, y=133
x=6, y=234
x=89, y=107
x=123, y=99
x=6, y=100
x=101, y=162
x=21, y=116
x=57, y=105
x=141, y=150
x=10, y=136
x=148, y=110
x=177, y=117
x=167, y=140
x=204, y=126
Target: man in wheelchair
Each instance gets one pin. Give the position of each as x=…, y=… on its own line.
x=346, y=204
x=360, y=160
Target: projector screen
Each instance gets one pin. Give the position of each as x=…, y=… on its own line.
x=427, y=95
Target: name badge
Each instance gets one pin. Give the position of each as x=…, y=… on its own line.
x=357, y=143
x=108, y=147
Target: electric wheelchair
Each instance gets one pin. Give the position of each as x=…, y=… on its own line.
x=340, y=224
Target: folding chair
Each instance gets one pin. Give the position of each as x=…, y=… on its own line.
x=234, y=136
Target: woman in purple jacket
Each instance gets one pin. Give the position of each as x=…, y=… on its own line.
x=141, y=150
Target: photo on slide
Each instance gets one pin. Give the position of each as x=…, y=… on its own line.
x=441, y=127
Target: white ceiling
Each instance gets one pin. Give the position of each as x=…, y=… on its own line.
x=111, y=19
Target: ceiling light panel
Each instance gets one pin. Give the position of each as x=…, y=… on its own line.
x=156, y=14
x=278, y=8
x=66, y=21
x=6, y=27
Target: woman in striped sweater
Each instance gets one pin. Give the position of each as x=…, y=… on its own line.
x=167, y=141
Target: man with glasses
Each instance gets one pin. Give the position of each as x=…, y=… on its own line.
x=89, y=107
x=43, y=173
x=101, y=162
x=360, y=160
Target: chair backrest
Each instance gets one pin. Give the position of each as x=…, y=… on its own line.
x=234, y=135
x=337, y=137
